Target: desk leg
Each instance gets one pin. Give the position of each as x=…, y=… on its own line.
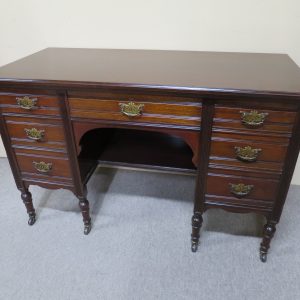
x=27, y=200
x=85, y=211
x=269, y=231
x=197, y=221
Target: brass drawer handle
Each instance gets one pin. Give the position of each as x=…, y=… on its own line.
x=42, y=166
x=131, y=109
x=35, y=134
x=240, y=189
x=27, y=103
x=253, y=118
x=247, y=153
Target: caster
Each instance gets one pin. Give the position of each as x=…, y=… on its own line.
x=194, y=247
x=31, y=220
x=87, y=229
x=263, y=257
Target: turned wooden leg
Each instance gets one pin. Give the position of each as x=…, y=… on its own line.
x=85, y=210
x=27, y=200
x=269, y=231
x=197, y=221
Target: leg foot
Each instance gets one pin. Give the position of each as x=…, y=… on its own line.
x=27, y=200
x=85, y=211
x=263, y=257
x=31, y=220
x=87, y=228
x=196, y=225
x=194, y=246
x=269, y=231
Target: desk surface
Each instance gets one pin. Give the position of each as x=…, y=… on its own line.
x=185, y=70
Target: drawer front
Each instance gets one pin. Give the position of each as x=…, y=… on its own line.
x=29, y=104
x=225, y=185
x=34, y=132
x=179, y=113
x=43, y=164
x=260, y=149
x=262, y=120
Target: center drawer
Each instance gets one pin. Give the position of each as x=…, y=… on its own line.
x=136, y=110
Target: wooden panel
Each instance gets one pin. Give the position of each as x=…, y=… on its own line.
x=184, y=114
x=46, y=105
x=275, y=121
x=54, y=134
x=219, y=184
x=60, y=163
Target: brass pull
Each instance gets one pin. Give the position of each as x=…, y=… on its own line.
x=240, y=189
x=131, y=109
x=247, y=153
x=27, y=103
x=42, y=166
x=253, y=118
x=35, y=134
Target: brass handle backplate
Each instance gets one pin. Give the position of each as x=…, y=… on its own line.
x=131, y=109
x=253, y=118
x=42, y=166
x=35, y=134
x=247, y=153
x=240, y=189
x=27, y=103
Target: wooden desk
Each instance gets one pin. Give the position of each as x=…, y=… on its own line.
x=232, y=119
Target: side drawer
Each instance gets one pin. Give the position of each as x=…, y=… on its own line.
x=261, y=189
x=43, y=163
x=270, y=149
x=29, y=104
x=36, y=132
x=267, y=120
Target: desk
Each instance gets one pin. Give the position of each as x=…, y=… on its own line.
x=232, y=119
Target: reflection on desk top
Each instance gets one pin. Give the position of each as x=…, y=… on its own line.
x=179, y=70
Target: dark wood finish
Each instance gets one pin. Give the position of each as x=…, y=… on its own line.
x=269, y=231
x=191, y=122
x=204, y=151
x=165, y=70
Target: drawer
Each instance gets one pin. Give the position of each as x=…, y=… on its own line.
x=44, y=164
x=229, y=145
x=36, y=132
x=29, y=104
x=262, y=120
x=173, y=113
x=225, y=185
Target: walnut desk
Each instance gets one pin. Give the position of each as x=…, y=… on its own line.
x=232, y=119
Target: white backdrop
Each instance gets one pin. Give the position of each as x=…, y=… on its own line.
x=216, y=25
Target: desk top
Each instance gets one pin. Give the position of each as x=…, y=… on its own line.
x=182, y=70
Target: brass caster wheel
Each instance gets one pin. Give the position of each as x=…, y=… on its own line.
x=31, y=220
x=87, y=229
x=194, y=247
x=263, y=257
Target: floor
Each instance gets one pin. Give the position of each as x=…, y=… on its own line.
x=139, y=247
